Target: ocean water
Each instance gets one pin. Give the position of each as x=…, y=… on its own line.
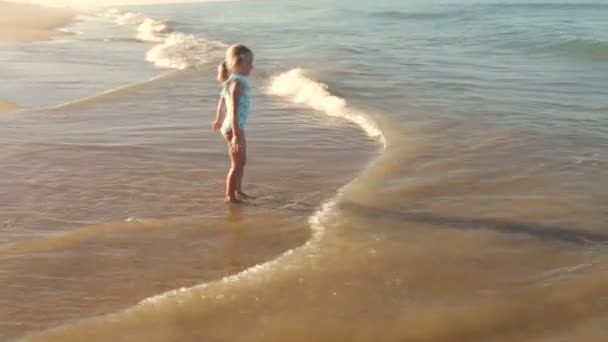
x=425, y=171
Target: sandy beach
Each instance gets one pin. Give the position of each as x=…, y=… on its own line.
x=23, y=22
x=423, y=171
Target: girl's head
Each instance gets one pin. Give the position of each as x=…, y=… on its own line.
x=239, y=60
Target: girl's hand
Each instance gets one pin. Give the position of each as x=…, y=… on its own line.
x=216, y=125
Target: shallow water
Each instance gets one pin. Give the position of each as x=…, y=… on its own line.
x=446, y=183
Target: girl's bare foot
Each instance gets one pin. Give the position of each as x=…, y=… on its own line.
x=243, y=196
x=233, y=200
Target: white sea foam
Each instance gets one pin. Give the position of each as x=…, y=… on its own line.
x=181, y=51
x=124, y=18
x=69, y=31
x=151, y=30
x=295, y=86
x=173, y=49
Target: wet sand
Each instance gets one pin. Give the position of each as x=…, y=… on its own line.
x=130, y=206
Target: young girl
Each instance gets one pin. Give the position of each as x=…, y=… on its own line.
x=234, y=103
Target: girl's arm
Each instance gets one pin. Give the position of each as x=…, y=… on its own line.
x=219, y=115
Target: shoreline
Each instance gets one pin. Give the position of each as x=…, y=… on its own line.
x=124, y=317
x=259, y=234
x=25, y=22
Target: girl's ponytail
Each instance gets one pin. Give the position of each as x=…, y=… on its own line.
x=222, y=72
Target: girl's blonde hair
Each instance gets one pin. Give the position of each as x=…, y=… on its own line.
x=235, y=55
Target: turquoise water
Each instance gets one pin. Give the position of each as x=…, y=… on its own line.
x=481, y=215
x=534, y=65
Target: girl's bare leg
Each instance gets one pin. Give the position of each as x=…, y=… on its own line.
x=239, y=188
x=240, y=194
x=233, y=174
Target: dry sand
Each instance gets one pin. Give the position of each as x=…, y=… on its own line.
x=24, y=22
x=6, y=106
